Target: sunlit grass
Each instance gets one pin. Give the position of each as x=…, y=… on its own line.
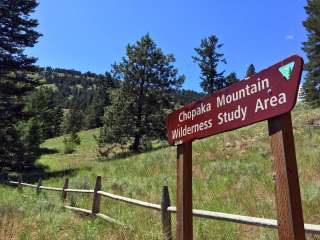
x=232, y=173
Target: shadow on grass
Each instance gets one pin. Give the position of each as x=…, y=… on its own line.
x=31, y=171
x=33, y=176
x=126, y=154
x=47, y=151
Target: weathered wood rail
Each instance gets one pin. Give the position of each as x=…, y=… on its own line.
x=164, y=208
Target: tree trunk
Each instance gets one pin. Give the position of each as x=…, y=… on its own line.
x=136, y=143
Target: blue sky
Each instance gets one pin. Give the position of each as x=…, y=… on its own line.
x=90, y=35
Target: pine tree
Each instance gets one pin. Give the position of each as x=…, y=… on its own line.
x=74, y=121
x=42, y=106
x=184, y=97
x=100, y=100
x=250, y=71
x=311, y=86
x=208, y=59
x=31, y=138
x=231, y=79
x=17, y=32
x=138, y=110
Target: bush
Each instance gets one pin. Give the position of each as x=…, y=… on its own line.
x=74, y=137
x=71, y=142
x=69, y=146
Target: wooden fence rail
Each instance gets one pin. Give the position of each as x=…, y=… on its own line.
x=164, y=208
x=131, y=201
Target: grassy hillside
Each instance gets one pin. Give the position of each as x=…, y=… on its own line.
x=231, y=173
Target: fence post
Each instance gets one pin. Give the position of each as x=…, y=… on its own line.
x=3, y=177
x=96, y=196
x=165, y=214
x=19, y=183
x=38, y=186
x=65, y=186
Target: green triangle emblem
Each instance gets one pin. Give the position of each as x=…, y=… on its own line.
x=286, y=70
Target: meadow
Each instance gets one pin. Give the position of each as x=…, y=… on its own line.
x=232, y=173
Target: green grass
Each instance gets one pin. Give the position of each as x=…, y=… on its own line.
x=232, y=173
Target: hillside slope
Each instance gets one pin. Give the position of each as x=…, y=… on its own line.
x=231, y=173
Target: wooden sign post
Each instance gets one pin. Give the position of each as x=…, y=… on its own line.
x=268, y=95
x=289, y=209
x=184, y=191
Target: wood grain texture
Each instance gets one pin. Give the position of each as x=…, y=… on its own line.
x=79, y=190
x=65, y=186
x=38, y=186
x=19, y=183
x=131, y=200
x=165, y=214
x=51, y=188
x=289, y=209
x=184, y=192
x=96, y=196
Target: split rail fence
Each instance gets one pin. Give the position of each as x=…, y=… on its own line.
x=164, y=208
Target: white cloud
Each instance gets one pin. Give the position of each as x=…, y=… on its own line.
x=289, y=37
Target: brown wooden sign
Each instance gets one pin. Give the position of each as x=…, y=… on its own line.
x=267, y=94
